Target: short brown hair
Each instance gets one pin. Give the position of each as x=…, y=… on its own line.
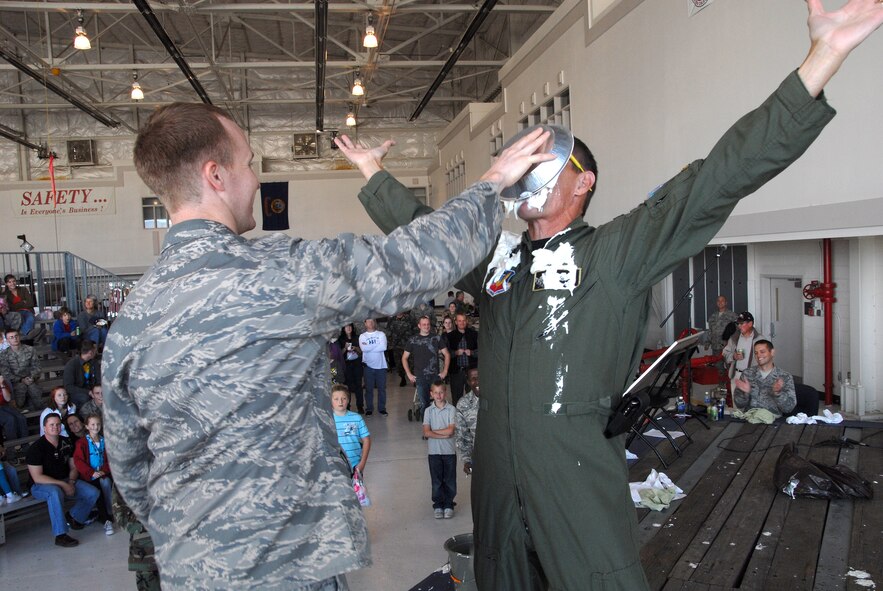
x=175, y=142
x=340, y=388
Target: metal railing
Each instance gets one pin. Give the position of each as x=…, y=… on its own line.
x=63, y=279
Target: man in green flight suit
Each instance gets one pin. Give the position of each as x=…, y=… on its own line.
x=564, y=310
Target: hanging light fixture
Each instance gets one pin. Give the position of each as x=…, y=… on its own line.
x=137, y=93
x=358, y=89
x=350, y=119
x=370, y=40
x=81, y=41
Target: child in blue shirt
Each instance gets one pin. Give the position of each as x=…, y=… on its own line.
x=352, y=432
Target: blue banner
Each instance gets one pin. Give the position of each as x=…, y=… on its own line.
x=274, y=205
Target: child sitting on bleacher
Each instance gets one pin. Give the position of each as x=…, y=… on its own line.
x=90, y=458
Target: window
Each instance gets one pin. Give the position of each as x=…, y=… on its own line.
x=555, y=111
x=155, y=215
x=496, y=143
x=455, y=179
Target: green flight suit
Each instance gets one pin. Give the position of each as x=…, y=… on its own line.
x=550, y=500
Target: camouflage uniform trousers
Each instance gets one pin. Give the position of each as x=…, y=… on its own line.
x=141, y=550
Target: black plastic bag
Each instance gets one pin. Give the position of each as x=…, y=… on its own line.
x=797, y=476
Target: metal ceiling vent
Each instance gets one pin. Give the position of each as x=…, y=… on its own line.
x=81, y=153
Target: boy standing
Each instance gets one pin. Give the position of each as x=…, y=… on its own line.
x=438, y=428
x=352, y=432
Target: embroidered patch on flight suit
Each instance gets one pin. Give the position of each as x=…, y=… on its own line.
x=500, y=284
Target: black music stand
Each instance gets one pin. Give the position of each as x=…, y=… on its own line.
x=646, y=398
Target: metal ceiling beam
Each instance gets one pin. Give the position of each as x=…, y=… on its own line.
x=150, y=17
x=19, y=138
x=83, y=106
x=265, y=7
x=321, y=55
x=265, y=65
x=471, y=30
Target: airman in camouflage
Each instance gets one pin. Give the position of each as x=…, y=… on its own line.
x=141, y=553
x=717, y=322
x=467, y=419
x=19, y=365
x=216, y=407
x=399, y=330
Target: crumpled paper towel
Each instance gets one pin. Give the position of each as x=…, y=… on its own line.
x=826, y=417
x=656, y=492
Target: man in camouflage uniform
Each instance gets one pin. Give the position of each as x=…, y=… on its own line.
x=19, y=365
x=218, y=424
x=399, y=330
x=467, y=419
x=141, y=552
x=717, y=322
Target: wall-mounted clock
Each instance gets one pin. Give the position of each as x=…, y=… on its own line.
x=305, y=145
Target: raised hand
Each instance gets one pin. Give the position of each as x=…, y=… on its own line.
x=833, y=36
x=515, y=160
x=367, y=160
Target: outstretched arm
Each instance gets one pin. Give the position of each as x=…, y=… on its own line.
x=833, y=36
x=367, y=160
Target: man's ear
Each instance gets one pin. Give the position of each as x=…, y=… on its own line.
x=212, y=173
x=585, y=183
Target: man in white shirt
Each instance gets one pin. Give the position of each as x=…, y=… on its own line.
x=373, y=345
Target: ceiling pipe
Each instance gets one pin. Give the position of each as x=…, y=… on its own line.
x=471, y=30
x=321, y=55
x=170, y=46
x=18, y=138
x=10, y=57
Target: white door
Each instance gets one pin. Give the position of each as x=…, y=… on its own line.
x=784, y=326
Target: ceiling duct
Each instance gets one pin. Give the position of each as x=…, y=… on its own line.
x=321, y=56
x=170, y=46
x=471, y=30
x=13, y=59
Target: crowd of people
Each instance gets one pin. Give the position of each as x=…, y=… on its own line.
x=70, y=451
x=422, y=350
x=206, y=399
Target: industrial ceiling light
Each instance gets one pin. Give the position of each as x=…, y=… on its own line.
x=81, y=41
x=137, y=93
x=350, y=119
x=370, y=40
x=358, y=89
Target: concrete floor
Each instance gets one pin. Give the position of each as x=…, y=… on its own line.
x=406, y=540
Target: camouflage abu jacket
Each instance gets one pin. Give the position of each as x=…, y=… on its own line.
x=216, y=412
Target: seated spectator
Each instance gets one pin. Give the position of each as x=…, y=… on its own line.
x=81, y=373
x=467, y=419
x=452, y=309
x=51, y=467
x=764, y=385
x=10, y=319
x=449, y=299
x=76, y=430
x=92, y=322
x=19, y=300
x=10, y=487
x=12, y=422
x=59, y=405
x=96, y=405
x=19, y=365
x=65, y=332
x=90, y=458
